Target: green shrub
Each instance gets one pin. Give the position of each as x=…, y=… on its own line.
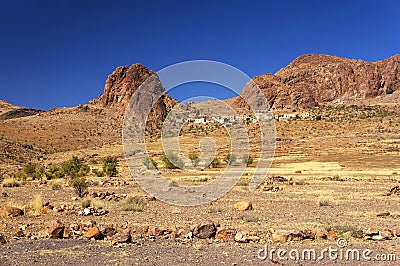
x=80, y=186
x=215, y=163
x=32, y=170
x=150, y=163
x=110, y=166
x=86, y=202
x=54, y=172
x=389, y=90
x=75, y=168
x=230, y=158
x=172, y=161
x=247, y=159
x=97, y=173
x=194, y=159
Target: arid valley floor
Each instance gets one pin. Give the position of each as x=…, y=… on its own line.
x=332, y=177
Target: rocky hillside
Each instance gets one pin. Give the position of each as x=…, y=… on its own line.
x=315, y=79
x=9, y=111
x=122, y=84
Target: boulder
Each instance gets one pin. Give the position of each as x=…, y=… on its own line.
x=8, y=211
x=205, y=229
x=226, y=234
x=93, y=232
x=243, y=205
x=2, y=240
x=122, y=237
x=54, y=229
x=107, y=231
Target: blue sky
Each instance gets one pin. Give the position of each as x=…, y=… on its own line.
x=59, y=53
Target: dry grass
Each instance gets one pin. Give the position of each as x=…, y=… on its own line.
x=10, y=182
x=36, y=206
x=134, y=203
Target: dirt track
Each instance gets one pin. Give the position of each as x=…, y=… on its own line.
x=160, y=252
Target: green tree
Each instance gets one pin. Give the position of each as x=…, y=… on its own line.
x=80, y=186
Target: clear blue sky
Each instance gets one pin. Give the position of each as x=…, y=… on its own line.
x=59, y=53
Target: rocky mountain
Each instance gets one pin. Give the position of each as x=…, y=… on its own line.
x=315, y=79
x=122, y=84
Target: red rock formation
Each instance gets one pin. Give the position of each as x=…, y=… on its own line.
x=317, y=79
x=122, y=84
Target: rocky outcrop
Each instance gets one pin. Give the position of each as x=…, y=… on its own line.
x=10, y=111
x=315, y=79
x=122, y=84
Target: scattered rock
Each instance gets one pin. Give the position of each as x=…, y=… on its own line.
x=243, y=205
x=378, y=238
x=205, y=229
x=387, y=234
x=107, y=231
x=280, y=236
x=8, y=211
x=383, y=214
x=86, y=225
x=19, y=233
x=226, y=234
x=93, y=233
x=54, y=229
x=331, y=235
x=122, y=237
x=393, y=191
x=372, y=231
x=155, y=231
x=86, y=211
x=246, y=236
x=397, y=232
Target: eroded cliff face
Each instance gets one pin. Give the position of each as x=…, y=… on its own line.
x=120, y=87
x=317, y=79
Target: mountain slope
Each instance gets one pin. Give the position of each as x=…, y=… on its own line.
x=315, y=79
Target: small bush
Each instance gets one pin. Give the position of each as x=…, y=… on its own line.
x=230, y=158
x=134, y=203
x=215, y=163
x=32, y=170
x=97, y=173
x=150, y=163
x=54, y=172
x=249, y=218
x=389, y=91
x=75, y=168
x=324, y=203
x=110, y=166
x=297, y=172
x=172, y=161
x=194, y=159
x=247, y=159
x=80, y=186
x=10, y=182
x=56, y=184
x=86, y=202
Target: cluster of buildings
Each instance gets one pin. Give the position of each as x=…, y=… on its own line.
x=226, y=119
